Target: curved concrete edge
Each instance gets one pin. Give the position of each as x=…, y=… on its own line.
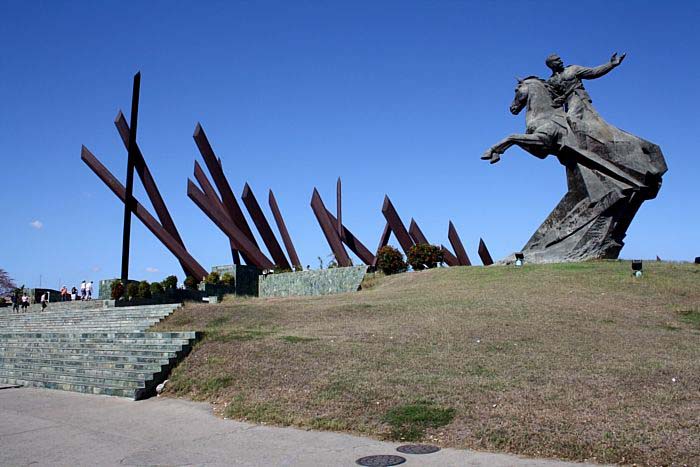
x=62, y=428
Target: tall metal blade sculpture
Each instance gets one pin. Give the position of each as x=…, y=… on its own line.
x=247, y=248
x=339, y=206
x=457, y=246
x=345, y=235
x=450, y=259
x=227, y=196
x=281, y=226
x=149, y=185
x=143, y=215
x=213, y=197
x=394, y=221
x=329, y=230
x=416, y=233
x=129, y=198
x=264, y=228
x=484, y=253
x=383, y=241
x=352, y=242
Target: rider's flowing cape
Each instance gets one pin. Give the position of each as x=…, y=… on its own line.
x=591, y=219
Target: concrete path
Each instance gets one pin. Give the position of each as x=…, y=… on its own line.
x=48, y=427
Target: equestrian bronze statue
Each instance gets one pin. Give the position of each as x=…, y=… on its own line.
x=610, y=172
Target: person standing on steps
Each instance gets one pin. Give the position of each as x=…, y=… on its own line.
x=73, y=294
x=44, y=300
x=88, y=290
x=15, y=302
x=64, y=293
x=83, y=285
x=25, y=302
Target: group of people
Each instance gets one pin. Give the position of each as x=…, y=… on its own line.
x=85, y=292
x=20, y=301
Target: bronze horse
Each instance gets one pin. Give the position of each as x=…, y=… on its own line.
x=609, y=174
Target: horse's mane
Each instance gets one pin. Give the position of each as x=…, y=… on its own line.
x=534, y=77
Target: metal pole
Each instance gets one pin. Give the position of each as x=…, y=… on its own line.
x=129, y=199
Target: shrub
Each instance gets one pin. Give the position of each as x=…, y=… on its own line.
x=132, y=290
x=144, y=289
x=190, y=283
x=228, y=279
x=423, y=256
x=390, y=260
x=157, y=289
x=169, y=283
x=117, y=290
x=2, y=300
x=213, y=278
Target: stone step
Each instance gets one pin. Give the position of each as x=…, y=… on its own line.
x=86, y=358
x=82, y=371
x=72, y=379
x=96, y=350
x=135, y=394
x=92, y=315
x=9, y=351
x=107, y=345
x=101, y=335
x=154, y=366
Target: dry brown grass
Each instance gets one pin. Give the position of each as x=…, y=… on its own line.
x=577, y=361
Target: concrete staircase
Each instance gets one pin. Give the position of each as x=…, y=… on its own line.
x=91, y=348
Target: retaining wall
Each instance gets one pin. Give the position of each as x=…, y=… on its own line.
x=315, y=282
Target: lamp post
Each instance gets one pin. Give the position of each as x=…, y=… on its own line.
x=519, y=259
x=637, y=268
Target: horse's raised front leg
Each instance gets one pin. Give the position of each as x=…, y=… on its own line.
x=527, y=142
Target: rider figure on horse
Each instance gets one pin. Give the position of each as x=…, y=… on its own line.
x=566, y=87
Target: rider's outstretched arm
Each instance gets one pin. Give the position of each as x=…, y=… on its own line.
x=583, y=72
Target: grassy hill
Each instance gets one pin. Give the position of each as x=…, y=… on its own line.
x=573, y=361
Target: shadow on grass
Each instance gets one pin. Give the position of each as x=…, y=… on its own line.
x=408, y=422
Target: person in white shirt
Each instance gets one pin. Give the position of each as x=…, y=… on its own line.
x=25, y=302
x=83, y=286
x=88, y=290
x=44, y=300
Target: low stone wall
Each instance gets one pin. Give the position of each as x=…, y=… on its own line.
x=246, y=278
x=316, y=282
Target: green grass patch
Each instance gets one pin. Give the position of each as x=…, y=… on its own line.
x=480, y=370
x=408, y=422
x=330, y=424
x=297, y=339
x=215, y=384
x=181, y=320
x=215, y=361
x=216, y=322
x=691, y=317
x=258, y=412
x=236, y=335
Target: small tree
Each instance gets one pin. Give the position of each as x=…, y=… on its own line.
x=213, y=278
x=169, y=283
x=390, y=260
x=190, y=283
x=117, y=290
x=424, y=256
x=228, y=279
x=144, y=289
x=7, y=285
x=132, y=290
x=157, y=289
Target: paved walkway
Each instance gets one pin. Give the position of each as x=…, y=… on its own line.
x=48, y=427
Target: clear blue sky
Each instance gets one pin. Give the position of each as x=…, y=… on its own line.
x=396, y=97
